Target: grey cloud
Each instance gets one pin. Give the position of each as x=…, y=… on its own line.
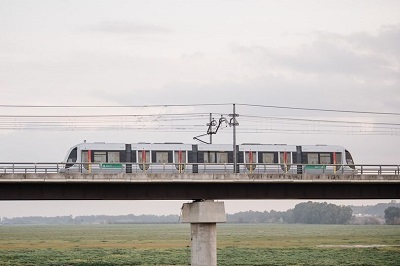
x=263, y=90
x=127, y=27
x=359, y=54
x=326, y=57
x=387, y=41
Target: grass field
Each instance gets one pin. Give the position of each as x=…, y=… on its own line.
x=261, y=244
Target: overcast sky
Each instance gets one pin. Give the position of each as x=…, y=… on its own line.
x=341, y=55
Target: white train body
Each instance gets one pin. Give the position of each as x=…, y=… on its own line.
x=207, y=158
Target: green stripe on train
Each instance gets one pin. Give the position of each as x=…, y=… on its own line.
x=315, y=167
x=111, y=165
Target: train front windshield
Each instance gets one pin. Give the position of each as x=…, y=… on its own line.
x=73, y=155
x=349, y=160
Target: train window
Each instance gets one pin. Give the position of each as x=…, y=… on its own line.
x=85, y=159
x=349, y=160
x=113, y=157
x=222, y=157
x=268, y=157
x=294, y=158
x=338, y=158
x=215, y=157
x=99, y=157
x=161, y=157
x=325, y=158
x=209, y=157
x=312, y=158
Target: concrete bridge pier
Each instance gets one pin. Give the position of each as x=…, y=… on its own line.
x=203, y=217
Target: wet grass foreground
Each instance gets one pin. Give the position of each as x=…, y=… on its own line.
x=262, y=244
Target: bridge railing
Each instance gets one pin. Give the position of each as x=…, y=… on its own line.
x=189, y=168
x=29, y=168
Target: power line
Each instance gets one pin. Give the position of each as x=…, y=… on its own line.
x=189, y=122
x=324, y=132
x=322, y=120
x=100, y=116
x=319, y=109
x=200, y=104
x=110, y=106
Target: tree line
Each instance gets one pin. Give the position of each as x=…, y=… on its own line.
x=305, y=213
x=93, y=219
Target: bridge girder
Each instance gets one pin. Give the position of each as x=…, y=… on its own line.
x=196, y=190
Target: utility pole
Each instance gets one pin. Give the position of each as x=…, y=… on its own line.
x=210, y=124
x=233, y=122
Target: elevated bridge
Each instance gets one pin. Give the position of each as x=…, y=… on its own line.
x=46, y=182
x=198, y=182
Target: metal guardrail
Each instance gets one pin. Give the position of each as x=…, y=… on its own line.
x=190, y=168
x=30, y=168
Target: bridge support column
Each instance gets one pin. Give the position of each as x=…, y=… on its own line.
x=203, y=217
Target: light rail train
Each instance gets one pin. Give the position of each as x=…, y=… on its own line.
x=101, y=157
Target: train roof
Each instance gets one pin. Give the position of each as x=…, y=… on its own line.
x=208, y=147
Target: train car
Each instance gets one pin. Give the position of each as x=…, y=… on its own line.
x=100, y=157
x=266, y=158
x=139, y=157
x=327, y=159
x=161, y=157
x=96, y=157
x=214, y=158
x=305, y=159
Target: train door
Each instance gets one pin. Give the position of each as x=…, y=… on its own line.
x=250, y=160
x=143, y=159
x=337, y=161
x=180, y=160
x=285, y=160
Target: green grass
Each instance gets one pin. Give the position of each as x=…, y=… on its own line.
x=169, y=245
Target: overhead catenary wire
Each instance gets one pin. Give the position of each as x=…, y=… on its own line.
x=181, y=121
x=112, y=106
x=101, y=115
x=318, y=109
x=321, y=120
x=201, y=104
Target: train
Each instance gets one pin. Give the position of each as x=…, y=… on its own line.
x=173, y=157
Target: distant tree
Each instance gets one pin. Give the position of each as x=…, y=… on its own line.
x=344, y=214
x=321, y=213
x=392, y=215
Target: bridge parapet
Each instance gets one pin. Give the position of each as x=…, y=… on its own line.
x=203, y=168
x=176, y=178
